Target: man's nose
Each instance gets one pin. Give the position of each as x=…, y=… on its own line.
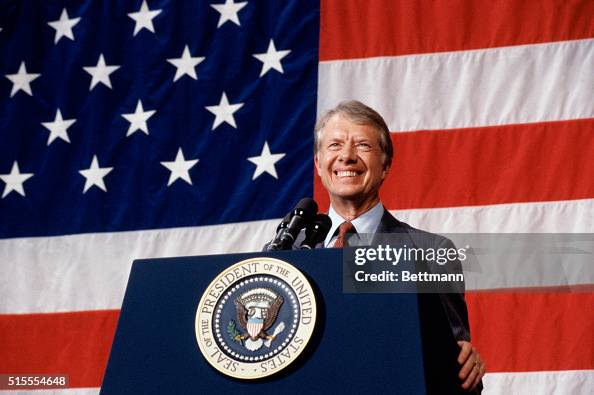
x=348, y=153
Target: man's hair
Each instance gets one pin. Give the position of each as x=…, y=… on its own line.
x=360, y=114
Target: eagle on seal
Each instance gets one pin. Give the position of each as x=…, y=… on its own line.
x=257, y=310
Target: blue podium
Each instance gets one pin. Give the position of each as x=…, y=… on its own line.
x=362, y=343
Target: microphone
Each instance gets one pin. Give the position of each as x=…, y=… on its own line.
x=316, y=231
x=280, y=229
x=305, y=210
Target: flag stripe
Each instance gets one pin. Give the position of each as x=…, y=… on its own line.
x=435, y=169
x=50, y=343
x=523, y=84
x=91, y=270
x=58, y=344
x=409, y=27
x=563, y=382
x=536, y=217
x=448, y=171
x=535, y=337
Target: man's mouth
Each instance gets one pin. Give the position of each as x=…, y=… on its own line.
x=347, y=173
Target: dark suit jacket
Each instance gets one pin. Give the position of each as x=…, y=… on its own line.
x=453, y=303
x=453, y=310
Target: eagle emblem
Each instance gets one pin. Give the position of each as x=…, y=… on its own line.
x=250, y=322
x=257, y=310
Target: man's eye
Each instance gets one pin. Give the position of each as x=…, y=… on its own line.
x=364, y=145
x=333, y=145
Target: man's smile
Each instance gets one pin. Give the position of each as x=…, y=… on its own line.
x=347, y=173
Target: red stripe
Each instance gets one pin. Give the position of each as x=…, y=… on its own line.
x=521, y=332
x=547, y=331
x=480, y=166
x=364, y=28
x=76, y=344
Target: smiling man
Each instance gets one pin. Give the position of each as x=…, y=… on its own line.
x=353, y=155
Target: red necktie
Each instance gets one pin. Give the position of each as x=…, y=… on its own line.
x=345, y=228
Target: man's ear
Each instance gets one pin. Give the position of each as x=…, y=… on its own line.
x=386, y=170
x=317, y=163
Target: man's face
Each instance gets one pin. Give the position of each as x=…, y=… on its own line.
x=350, y=160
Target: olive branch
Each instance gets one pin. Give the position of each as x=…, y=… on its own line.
x=233, y=332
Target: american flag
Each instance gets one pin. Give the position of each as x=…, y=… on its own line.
x=147, y=128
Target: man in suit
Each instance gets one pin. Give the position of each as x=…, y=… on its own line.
x=353, y=155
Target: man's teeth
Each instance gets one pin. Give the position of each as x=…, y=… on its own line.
x=347, y=173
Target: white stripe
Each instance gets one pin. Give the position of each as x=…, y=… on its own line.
x=572, y=216
x=513, y=261
x=571, y=382
x=90, y=271
x=516, y=262
x=496, y=86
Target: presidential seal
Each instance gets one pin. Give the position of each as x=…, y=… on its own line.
x=255, y=318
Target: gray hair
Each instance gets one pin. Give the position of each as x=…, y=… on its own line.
x=360, y=114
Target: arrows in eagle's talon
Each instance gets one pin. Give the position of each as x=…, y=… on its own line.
x=279, y=328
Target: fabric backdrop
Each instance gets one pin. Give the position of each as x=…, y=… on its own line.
x=133, y=129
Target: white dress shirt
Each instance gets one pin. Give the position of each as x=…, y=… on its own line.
x=365, y=225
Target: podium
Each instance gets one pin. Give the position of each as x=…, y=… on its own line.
x=362, y=343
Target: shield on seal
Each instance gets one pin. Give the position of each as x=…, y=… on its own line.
x=254, y=326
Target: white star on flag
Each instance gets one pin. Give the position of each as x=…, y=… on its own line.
x=143, y=18
x=271, y=59
x=14, y=180
x=58, y=128
x=100, y=73
x=22, y=80
x=63, y=26
x=185, y=64
x=179, y=168
x=265, y=162
x=138, y=119
x=229, y=11
x=224, y=112
x=94, y=175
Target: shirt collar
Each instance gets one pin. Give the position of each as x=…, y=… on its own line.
x=366, y=223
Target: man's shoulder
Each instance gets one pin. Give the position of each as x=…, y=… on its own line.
x=389, y=224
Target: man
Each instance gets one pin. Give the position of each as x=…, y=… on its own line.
x=353, y=155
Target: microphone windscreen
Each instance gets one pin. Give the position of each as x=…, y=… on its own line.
x=323, y=223
x=308, y=205
x=317, y=230
x=285, y=222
